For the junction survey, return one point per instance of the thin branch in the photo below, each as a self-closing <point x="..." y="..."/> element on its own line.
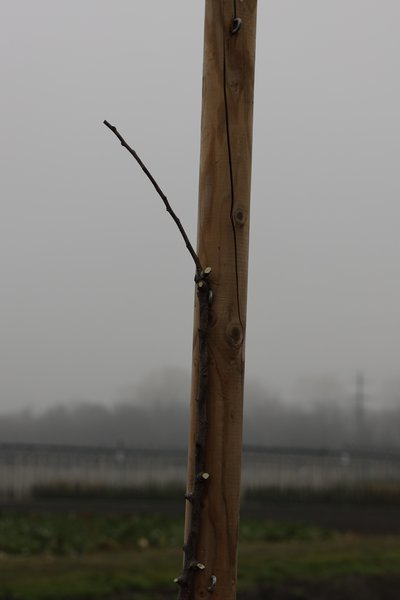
<point x="162" y="196"/>
<point x="200" y="476"/>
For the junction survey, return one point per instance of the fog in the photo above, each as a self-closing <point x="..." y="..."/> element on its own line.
<point x="155" y="415"/>
<point x="97" y="286"/>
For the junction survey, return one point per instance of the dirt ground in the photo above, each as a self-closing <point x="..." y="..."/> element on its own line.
<point x="349" y="588"/>
<point x="364" y="519"/>
<point x="346" y="588"/>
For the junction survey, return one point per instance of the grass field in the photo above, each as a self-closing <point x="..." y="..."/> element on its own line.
<point x="76" y="556"/>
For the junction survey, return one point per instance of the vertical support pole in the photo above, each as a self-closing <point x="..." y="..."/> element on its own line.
<point x="223" y="241"/>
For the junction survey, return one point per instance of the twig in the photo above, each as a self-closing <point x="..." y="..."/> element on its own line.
<point x="200" y="476"/>
<point x="196" y="496"/>
<point x="162" y="196"/>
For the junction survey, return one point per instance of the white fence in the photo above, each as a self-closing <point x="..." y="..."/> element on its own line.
<point x="22" y="467"/>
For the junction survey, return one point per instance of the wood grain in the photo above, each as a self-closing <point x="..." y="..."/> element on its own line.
<point x="223" y="242"/>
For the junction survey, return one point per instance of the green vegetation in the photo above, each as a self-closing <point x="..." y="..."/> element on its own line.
<point x="72" y="534"/>
<point x="340" y="556"/>
<point x="90" y="577"/>
<point x="91" y="556"/>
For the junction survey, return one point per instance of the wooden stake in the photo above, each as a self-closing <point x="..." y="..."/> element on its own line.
<point x="223" y="239"/>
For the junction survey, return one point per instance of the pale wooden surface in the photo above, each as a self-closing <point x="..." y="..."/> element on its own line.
<point x="223" y="235"/>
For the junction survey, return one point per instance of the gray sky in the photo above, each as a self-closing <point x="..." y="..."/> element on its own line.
<point x="97" y="290"/>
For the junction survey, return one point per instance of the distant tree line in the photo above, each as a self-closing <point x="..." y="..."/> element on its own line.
<point x="161" y="421"/>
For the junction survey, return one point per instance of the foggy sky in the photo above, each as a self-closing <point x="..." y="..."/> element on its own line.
<point x="96" y="284"/>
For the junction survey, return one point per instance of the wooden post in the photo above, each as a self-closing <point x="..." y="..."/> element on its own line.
<point x="223" y="239"/>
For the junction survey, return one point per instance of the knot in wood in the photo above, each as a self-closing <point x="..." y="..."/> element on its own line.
<point x="240" y="216"/>
<point x="234" y="334"/>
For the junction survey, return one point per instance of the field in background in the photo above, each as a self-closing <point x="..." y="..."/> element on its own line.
<point x="92" y="524"/>
<point x="76" y="556"/>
